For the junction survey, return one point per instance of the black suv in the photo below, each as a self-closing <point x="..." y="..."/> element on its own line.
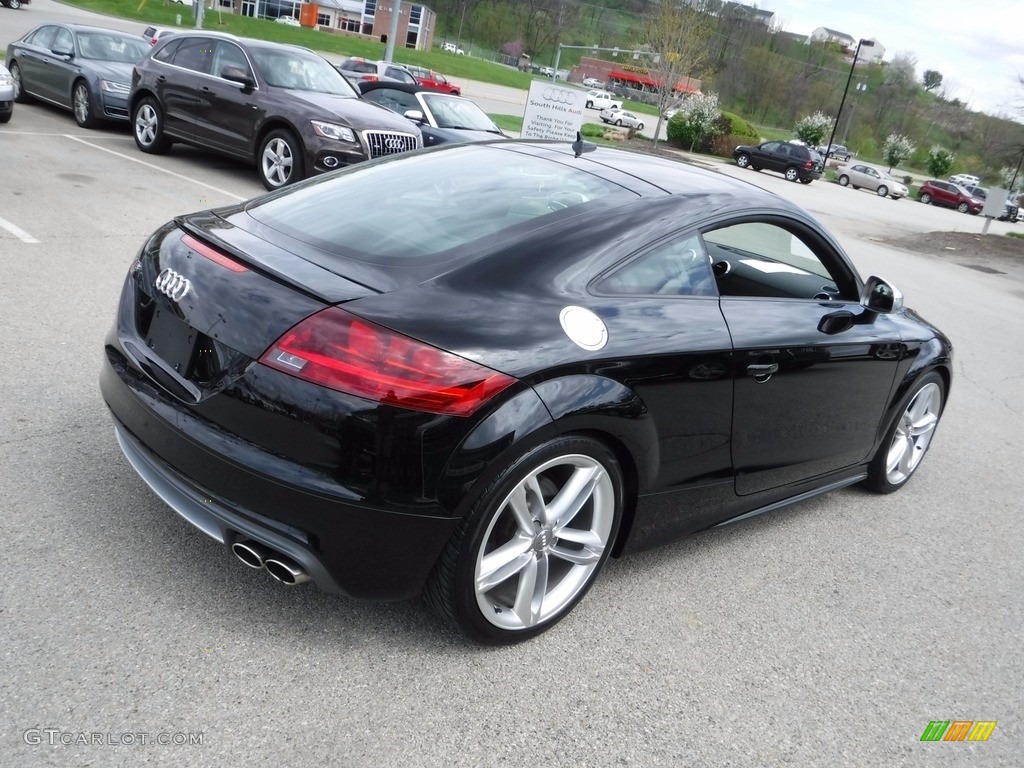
<point x="279" y="106"/>
<point x="795" y="161"/>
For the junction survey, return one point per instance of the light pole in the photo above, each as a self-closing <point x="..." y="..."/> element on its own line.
<point x="835" y="125"/>
<point x="858" y="88"/>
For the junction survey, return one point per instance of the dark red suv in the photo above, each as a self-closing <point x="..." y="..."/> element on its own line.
<point x="950" y="196"/>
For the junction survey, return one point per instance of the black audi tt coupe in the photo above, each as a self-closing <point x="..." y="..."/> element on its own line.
<point x="480" y="370"/>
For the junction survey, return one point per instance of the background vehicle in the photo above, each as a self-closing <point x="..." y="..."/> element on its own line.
<point x="598" y="99"/>
<point x="452" y="48"/>
<point x="795" y="161"/>
<point x="153" y="34"/>
<point x="6" y="94"/>
<point x="358" y="418"/>
<point x="838" y="151"/>
<point x="592" y="82"/>
<point x="357" y="69"/>
<point x="1009" y="210"/>
<point x="949" y="196"/>
<point x="622" y="118"/>
<point x="15" y="4"/>
<point x="281" y="107"/>
<point x="441" y="117"/>
<point x="434" y="80"/>
<point x="83" y="69"/>
<point x="291" y="21"/>
<point x="870" y="177"/>
<point x="965" y="180"/>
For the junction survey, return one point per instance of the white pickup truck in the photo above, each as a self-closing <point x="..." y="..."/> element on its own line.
<point x="602" y="100"/>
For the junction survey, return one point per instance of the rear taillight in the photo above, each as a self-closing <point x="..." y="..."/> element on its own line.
<point x="808" y="164"/>
<point x="341" y="351"/>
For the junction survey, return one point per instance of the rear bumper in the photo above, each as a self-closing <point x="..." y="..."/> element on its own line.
<point x="231" y="489"/>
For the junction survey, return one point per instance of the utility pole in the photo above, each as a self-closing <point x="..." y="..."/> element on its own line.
<point x="835" y="125"/>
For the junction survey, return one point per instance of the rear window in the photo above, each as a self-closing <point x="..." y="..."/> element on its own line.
<point x="421" y="207"/>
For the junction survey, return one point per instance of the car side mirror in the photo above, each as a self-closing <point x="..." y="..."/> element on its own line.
<point x="63" y="52"/>
<point x="415" y="115"/>
<point x="240" y="76"/>
<point x="879" y="296"/>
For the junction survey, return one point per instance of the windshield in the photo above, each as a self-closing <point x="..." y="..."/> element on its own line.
<point x="300" y="71"/>
<point x="417" y="206"/>
<point x="104" y="46"/>
<point x="454" y="112"/>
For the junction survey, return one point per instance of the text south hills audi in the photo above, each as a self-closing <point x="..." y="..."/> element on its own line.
<point x="535" y="356"/>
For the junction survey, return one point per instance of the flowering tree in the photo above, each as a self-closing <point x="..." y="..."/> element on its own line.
<point x="811" y="129"/>
<point x="896" y="149"/>
<point x="696" y="118"/>
<point x="940" y="160"/>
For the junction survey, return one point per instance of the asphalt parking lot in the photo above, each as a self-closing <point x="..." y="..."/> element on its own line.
<point x="828" y="634"/>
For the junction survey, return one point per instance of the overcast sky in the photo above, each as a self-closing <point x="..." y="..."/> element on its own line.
<point x="977" y="45"/>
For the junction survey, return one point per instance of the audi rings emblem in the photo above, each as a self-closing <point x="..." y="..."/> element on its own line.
<point x="394" y="143"/>
<point x="559" y="96"/>
<point x="172" y="285"/>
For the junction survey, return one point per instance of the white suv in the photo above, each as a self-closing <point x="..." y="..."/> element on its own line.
<point x="602" y="100"/>
<point x="965" y="180"/>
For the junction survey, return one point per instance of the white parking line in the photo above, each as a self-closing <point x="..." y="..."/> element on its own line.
<point x="156" y="167"/>
<point x="17" y="231"/>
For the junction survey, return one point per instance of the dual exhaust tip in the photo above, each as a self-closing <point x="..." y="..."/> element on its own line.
<point x="283" y="569"/>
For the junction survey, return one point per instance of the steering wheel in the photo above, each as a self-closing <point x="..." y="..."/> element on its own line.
<point x="559" y="201"/>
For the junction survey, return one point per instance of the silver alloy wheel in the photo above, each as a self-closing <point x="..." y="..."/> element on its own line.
<point x="277" y="162"/>
<point x="80" y="102"/>
<point x="146" y="124"/>
<point x="742" y="161"/>
<point x="913" y="434"/>
<point x="844" y="181"/>
<point x="792" y="174"/>
<point x="533" y="561"/>
<point x="882" y="191"/>
<point x="15" y="4"/>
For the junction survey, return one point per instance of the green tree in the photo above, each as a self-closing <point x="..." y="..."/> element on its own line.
<point x="931" y="79"/>
<point x="812" y="129"/>
<point x="940" y="160"/>
<point x="896" y="149"/>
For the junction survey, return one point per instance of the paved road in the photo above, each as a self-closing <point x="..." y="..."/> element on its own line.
<point x="828" y="634"/>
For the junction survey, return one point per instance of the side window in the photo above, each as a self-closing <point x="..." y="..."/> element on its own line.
<point x="63" y="41"/>
<point x="43" y="37"/>
<point x="229" y="55"/>
<point x="771" y="146"/>
<point x="768" y="260"/>
<point x="195" y="54"/>
<point x="676" y="268"/>
<point x="166" y="53"/>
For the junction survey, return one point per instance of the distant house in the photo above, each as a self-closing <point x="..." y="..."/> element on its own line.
<point x="873" y="54"/>
<point x="826" y="35"/>
<point x="750" y="13"/>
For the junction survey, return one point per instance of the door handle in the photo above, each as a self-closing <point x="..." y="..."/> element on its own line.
<point x="762" y="373"/>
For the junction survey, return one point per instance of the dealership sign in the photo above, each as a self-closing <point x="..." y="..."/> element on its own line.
<point x="553" y="111"/>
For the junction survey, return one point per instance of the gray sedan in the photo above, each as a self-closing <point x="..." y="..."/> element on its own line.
<point x="85" y="69"/>
<point x="6" y="94"/>
<point x="869" y="177"/>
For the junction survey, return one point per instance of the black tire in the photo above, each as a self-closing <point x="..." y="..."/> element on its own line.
<point x="619" y="122"/>
<point x="639" y="126"/>
<point x="14" y="4"/>
<point x="6" y="117"/>
<point x="19" y="91"/>
<point x="148" y="127"/>
<point x="756" y="167"/>
<point x="743" y="160"/>
<point x="792" y="174"/>
<point x="279" y="161"/>
<point x="81" y="105"/>
<point x="494" y="613"/>
<point x="590" y="105"/>
<point x="844" y="180"/>
<point x="882" y="191"/>
<point x="926" y="198"/>
<point x="963" y="207"/>
<point x="909" y="436"/>
<point x="808" y="180"/>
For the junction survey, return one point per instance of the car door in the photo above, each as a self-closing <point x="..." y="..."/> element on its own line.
<point x="768" y="155"/>
<point x="31" y="55"/>
<point x="226" y="112"/>
<point x="178" y="85"/>
<point x="57" y="67"/>
<point x="946" y="194"/>
<point x="813" y="368"/>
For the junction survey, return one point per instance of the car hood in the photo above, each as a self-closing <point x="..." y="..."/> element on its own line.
<point x="115" y="71"/>
<point x="446" y="135"/>
<point x="354" y="112"/>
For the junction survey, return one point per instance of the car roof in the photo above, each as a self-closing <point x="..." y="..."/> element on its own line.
<point x="249" y="42"/>
<point x="84" y="28"/>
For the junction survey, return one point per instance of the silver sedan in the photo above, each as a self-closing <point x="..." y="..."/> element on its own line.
<point x="869" y="177"/>
<point x="621" y="117"/>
